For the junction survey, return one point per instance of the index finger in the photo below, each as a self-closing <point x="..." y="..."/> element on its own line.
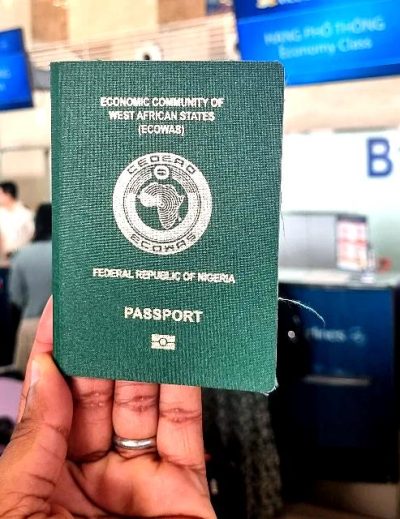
<point x="43" y="343"/>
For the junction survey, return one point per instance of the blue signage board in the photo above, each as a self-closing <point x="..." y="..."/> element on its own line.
<point x="15" y="85"/>
<point x="15" y="88"/>
<point x="319" y="42"/>
<point x="11" y="41"/>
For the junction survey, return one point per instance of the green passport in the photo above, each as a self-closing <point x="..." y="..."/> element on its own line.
<point x="166" y="193"/>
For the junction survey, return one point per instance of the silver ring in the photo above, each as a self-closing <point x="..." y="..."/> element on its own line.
<point x="130" y="444"/>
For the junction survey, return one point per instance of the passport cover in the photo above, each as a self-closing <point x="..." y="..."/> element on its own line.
<point x="166" y="194"/>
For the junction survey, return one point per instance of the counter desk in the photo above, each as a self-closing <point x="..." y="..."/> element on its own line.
<point x="336" y="411"/>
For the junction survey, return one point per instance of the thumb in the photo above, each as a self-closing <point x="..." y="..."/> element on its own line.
<point x="31" y="464"/>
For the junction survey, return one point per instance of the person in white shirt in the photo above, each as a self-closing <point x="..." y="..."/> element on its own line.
<point x="16" y="221"/>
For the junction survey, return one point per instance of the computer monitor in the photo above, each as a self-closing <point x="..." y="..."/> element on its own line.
<point x="15" y="82"/>
<point x="352" y="243"/>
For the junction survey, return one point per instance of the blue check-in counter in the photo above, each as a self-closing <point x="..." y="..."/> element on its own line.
<point x="336" y="411"/>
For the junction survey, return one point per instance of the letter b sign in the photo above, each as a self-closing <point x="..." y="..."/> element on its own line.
<point x="379" y="161"/>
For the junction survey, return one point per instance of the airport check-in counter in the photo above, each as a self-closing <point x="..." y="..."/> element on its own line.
<point x="336" y="411"/>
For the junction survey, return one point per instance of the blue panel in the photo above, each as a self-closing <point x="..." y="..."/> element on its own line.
<point x="355" y="343"/>
<point x="15" y="89"/>
<point x="11" y="42"/>
<point x="317" y="42"/>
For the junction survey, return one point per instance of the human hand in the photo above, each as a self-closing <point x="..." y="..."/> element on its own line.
<point x="61" y="461"/>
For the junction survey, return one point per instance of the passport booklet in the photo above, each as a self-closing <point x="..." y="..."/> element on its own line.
<point x="166" y="195"/>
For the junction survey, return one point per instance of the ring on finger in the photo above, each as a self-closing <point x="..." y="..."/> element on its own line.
<point x="134" y="444"/>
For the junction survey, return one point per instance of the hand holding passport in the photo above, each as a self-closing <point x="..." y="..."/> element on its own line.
<point x="61" y="460"/>
<point x="166" y="182"/>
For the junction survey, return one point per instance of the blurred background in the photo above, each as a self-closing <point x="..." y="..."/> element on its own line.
<point x="333" y="442"/>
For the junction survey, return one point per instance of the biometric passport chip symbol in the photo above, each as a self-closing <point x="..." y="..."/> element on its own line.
<point x="162" y="203"/>
<point x="163" y="342"/>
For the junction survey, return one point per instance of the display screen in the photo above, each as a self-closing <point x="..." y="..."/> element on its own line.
<point x="352" y="243"/>
<point x="320" y="40"/>
<point x="15" y="86"/>
<point x="11" y="41"/>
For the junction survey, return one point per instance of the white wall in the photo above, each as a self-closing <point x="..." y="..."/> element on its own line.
<point x="368" y="103"/>
<point x="328" y="171"/>
<point x="24" y="145"/>
<point x="16" y="13"/>
<point x="98" y="18"/>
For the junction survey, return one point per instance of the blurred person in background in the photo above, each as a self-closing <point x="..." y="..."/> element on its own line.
<point x="16" y="221"/>
<point x="30" y="284"/>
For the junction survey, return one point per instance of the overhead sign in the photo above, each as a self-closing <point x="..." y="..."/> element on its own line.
<point x="317" y="41"/>
<point x="347" y="172"/>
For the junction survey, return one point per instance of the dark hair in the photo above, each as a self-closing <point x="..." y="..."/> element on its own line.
<point x="10" y="188"/>
<point x="43" y="223"/>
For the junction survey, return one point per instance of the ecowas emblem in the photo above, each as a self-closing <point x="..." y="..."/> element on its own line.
<point x="162" y="203"/>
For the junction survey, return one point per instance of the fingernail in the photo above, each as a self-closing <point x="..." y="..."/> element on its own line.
<point x="35" y="373"/>
<point x="34" y="378"/>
